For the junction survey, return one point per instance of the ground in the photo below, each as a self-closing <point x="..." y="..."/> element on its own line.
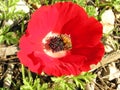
<point x="13" y="23"/>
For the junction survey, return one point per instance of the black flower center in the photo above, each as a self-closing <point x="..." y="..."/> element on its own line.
<point x="58" y="43"/>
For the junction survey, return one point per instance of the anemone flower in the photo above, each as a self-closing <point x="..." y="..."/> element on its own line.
<point x="61" y="39"/>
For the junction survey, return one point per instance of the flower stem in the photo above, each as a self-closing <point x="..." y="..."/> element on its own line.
<point x="23" y="72"/>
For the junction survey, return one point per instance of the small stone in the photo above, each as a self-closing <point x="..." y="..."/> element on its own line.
<point x="118" y="87"/>
<point x="114" y="72"/>
<point x="108" y="19"/>
<point x="108" y="49"/>
<point x="110" y="44"/>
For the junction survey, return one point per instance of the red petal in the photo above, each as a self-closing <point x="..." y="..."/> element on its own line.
<point x="29" y="62"/>
<point x="27" y="45"/>
<point x="93" y="55"/>
<point x="63" y="18"/>
<point x="42" y="22"/>
<point x="24" y="44"/>
<point x="87" y="33"/>
<point x="26" y="55"/>
<point x="53" y="18"/>
<point x="69" y="65"/>
<point x="68" y="11"/>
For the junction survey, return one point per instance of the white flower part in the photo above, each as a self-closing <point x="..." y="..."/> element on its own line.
<point x="49" y="52"/>
<point x="21" y="5"/>
<point x="55" y="54"/>
<point x="108" y="19"/>
<point x="50" y="34"/>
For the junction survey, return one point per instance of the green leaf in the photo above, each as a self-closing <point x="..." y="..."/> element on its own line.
<point x="2" y="39"/>
<point x="116" y="5"/>
<point x="71" y="82"/>
<point x="80" y="2"/>
<point x="82" y="79"/>
<point x="63" y="83"/>
<point x="91" y="10"/>
<point x="11" y="38"/>
<point x="30" y="83"/>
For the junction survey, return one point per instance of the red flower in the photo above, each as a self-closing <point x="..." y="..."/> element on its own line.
<point x="61" y="40"/>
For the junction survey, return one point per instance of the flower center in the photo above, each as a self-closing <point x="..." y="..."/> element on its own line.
<point x="56" y="45"/>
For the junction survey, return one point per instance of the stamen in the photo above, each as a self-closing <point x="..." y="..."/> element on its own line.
<point x="67" y="41"/>
<point x="56" y="44"/>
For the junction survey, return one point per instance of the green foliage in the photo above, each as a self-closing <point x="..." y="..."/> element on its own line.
<point x="83" y="79"/>
<point x="4" y="89"/>
<point x="30" y="83"/>
<point x="8" y="37"/>
<point x="80" y="2"/>
<point x="9" y="17"/>
<point x="116" y="4"/>
<point x="33" y="85"/>
<point x="36" y="3"/>
<point x="63" y="83"/>
<point x="91" y="10"/>
<point x="8" y="12"/>
<point x="58" y="83"/>
<point x="72" y="82"/>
